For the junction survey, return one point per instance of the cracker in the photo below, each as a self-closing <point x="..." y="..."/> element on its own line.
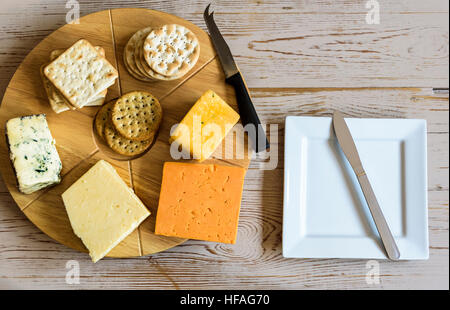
<point x="150" y="71"/>
<point x="99" y="98"/>
<point x="80" y="73"/>
<point x="56" y="53"/>
<point x="171" y="50"/>
<point x="115" y="141"/>
<point x="137" y="115"/>
<point x="57" y="102"/>
<point x="123" y="145"/>
<point x="129" y="57"/>
<point x="141" y="64"/>
<point x="145" y="70"/>
<point x="103" y="117"/>
<point x="136" y="74"/>
<point x="96" y="102"/>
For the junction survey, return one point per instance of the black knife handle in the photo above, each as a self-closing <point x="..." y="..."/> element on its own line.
<point x="247" y="112"/>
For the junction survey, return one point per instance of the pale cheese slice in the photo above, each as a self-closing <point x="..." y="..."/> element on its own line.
<point x="102" y="209"/>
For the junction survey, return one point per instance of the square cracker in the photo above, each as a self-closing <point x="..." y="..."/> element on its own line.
<point x="98" y="100"/>
<point x="80" y="73"/>
<point x="57" y="102"/>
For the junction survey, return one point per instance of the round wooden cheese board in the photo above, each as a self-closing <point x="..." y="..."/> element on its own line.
<point x="79" y="147"/>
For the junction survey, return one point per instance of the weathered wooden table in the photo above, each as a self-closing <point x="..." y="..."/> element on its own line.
<point x="299" y="57"/>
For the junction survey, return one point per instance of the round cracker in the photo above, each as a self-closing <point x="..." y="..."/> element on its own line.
<point x="136" y="74"/>
<point x="129" y="57"/>
<point x="123" y="145"/>
<point x="140" y="37"/>
<point x="171" y="50"/>
<point x="102" y="117"/>
<point x="144" y="67"/>
<point x="137" y="115"/>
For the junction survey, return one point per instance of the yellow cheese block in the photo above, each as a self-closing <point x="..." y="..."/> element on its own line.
<point x="102" y="209"/>
<point x="205" y="126"/>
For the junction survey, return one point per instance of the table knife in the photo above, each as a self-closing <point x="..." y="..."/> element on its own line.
<point x="234" y="77"/>
<point x="347" y="144"/>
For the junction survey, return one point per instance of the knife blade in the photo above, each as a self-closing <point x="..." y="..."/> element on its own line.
<point x="234" y="77"/>
<point x="348" y="146"/>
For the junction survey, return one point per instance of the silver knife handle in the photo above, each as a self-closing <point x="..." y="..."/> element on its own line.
<point x="380" y="222"/>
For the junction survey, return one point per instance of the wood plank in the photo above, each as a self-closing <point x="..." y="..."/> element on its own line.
<point x="331" y="46"/>
<point x="29" y="258"/>
<point x="53" y="7"/>
<point x="405" y="50"/>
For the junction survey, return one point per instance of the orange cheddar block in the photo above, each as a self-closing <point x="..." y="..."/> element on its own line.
<point x="200" y="201"/>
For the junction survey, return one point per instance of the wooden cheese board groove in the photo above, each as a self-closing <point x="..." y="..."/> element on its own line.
<point x="45" y="190"/>
<point x="76" y="139"/>
<point x="191" y="75"/>
<point x="115" y="52"/>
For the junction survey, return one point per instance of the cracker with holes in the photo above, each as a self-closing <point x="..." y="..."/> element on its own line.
<point x="57" y="102"/>
<point x="171" y="50"/>
<point x="122" y="145"/>
<point x="80" y="73"/>
<point x="103" y="116"/>
<point x="140" y="62"/>
<point x="137" y="115"/>
<point x="56" y="99"/>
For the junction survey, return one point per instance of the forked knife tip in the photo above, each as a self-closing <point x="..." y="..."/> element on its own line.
<point x="206" y="13"/>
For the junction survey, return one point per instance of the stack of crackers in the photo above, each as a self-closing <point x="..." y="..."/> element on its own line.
<point x="161" y="54"/>
<point x="77" y="77"/>
<point x="130" y="123"/>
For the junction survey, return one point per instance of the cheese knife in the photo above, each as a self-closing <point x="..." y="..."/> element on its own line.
<point x="347" y="144"/>
<point x="234" y="77"/>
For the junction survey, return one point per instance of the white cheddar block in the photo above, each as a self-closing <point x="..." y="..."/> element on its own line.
<point x="102" y="209"/>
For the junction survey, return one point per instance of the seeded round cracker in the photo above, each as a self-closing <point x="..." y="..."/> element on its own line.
<point x="123" y="145"/>
<point x="102" y="118"/>
<point x="137" y="115"/>
<point x="171" y="50"/>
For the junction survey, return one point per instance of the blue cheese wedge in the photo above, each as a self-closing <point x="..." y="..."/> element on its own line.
<point x="102" y="209"/>
<point x="33" y="153"/>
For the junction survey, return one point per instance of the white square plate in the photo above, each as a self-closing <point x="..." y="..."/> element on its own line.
<point x="325" y="214"/>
